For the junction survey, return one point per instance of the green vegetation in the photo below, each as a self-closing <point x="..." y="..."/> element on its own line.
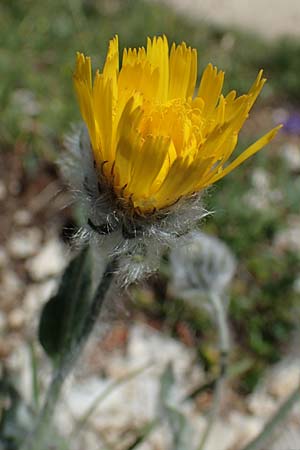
<point x="38" y="105"/>
<point x="265" y="304"/>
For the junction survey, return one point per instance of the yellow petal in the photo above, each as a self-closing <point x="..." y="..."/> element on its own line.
<point x="82" y="79"/>
<point x="128" y="142"/>
<point x="210" y="88"/>
<point x="83" y="70"/>
<point x="256" y="88"/>
<point x="180" y="180"/>
<point x="158" y="56"/>
<point x="183" y="71"/>
<point x="254" y="148"/>
<point x="147" y="165"/>
<point x="138" y="77"/>
<point x="111" y="66"/>
<point x="103" y="112"/>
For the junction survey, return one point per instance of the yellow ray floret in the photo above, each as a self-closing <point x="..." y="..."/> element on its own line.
<point x="153" y="140"/>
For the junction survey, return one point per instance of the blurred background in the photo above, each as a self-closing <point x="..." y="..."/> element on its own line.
<point x="256" y="208"/>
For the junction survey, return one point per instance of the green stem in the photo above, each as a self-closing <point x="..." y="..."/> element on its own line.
<point x="278" y="418"/>
<point x="37" y="439"/>
<point x="34" y="379"/>
<point x="224" y="345"/>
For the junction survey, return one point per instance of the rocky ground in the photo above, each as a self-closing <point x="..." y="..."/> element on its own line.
<point x="124" y="369"/>
<point x="271" y="19"/>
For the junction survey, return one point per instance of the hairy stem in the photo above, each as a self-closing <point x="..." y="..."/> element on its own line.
<point x="224" y="345"/>
<point x="37" y="439"/>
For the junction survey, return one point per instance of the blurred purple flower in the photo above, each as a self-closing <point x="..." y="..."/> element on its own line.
<point x="292" y="123"/>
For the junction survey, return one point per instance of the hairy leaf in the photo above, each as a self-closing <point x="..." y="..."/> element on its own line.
<point x="62" y="316"/>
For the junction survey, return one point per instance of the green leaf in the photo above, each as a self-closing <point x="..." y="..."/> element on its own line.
<point x="167" y="381"/>
<point x="275" y="423"/>
<point x="62" y="316"/>
<point x="180" y="428"/>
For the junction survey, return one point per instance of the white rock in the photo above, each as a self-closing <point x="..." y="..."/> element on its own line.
<point x="261" y="404"/>
<point x="20" y="363"/>
<point x="11" y="286"/>
<point x="260" y="179"/>
<point x="36" y="295"/>
<point x="222" y="437"/>
<point x="231" y="14"/>
<point x="288" y="438"/>
<point x="159" y="439"/>
<point x="290" y="153"/>
<point x="22" y="217"/>
<point x="50" y="261"/>
<point x="261" y="196"/>
<point x="81" y="396"/>
<point x="285" y="378"/>
<point x="16" y="318"/>
<point x="289" y="238"/>
<point x="134" y="402"/>
<point x="246" y="427"/>
<point x="89" y="440"/>
<point x="256" y="200"/>
<point x="25" y="243"/>
<point x="149" y="345"/>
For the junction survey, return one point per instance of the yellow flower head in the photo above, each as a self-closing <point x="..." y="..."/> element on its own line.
<point x="154" y="138"/>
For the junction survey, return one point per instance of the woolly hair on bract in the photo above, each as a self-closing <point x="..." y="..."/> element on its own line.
<point x="202" y="264"/>
<point x="138" y="241"/>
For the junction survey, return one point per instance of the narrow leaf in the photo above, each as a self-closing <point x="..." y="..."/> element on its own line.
<point x="63" y="315"/>
<point x="181" y="431"/>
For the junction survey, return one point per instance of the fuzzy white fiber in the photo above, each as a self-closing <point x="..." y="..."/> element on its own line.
<point x="204" y="264"/>
<point x="114" y="228"/>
